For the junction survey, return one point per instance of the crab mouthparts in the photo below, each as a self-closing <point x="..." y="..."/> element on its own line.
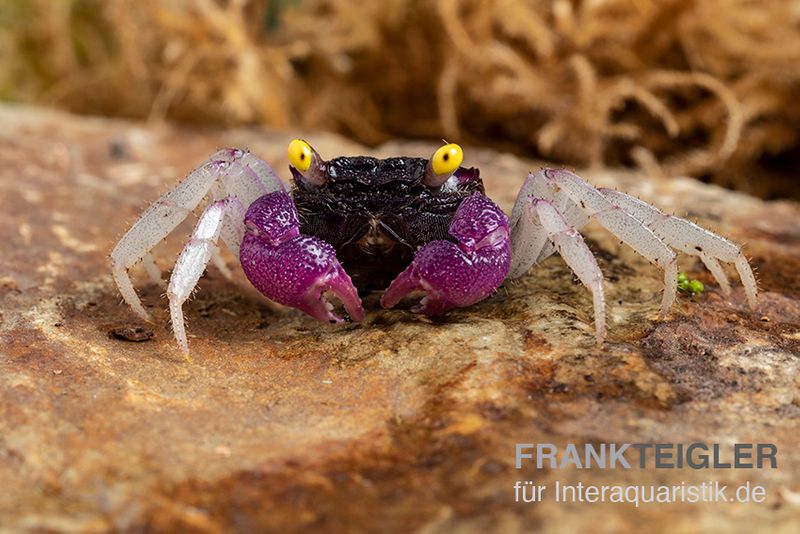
<point x="375" y="242"/>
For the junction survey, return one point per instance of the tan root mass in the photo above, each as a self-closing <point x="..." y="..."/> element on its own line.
<point x="699" y="87"/>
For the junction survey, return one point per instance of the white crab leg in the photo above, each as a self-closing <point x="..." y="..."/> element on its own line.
<point x="250" y="179"/>
<point x="715" y="268"/>
<point x="576" y="254"/>
<point x="626" y="227"/>
<point x="152" y="269"/>
<point x="527" y="252"/>
<point x="242" y="172"/>
<point x="195" y="257"/>
<point x="528" y="239"/>
<point x="228" y="234"/>
<point x="219" y="262"/>
<point x="690" y="238"/>
<point x="534" y="187"/>
<point x="574" y="216"/>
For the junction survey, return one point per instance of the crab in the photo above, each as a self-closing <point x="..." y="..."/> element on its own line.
<point x="354" y="224"/>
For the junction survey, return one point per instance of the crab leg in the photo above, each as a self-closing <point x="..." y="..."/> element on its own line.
<point x="152" y="269"/>
<point x="572" y="248"/>
<point x="528" y="237"/>
<point x="715" y="268"/>
<point x="574" y="216"/>
<point x="626" y="227"/>
<point x="690" y="238"/>
<point x="219" y="263"/>
<point x="535" y="247"/>
<point x="195" y="257"/>
<point x="245" y="177"/>
<point x="528" y="242"/>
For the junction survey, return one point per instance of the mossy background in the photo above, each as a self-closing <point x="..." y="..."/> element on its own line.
<point x="707" y="88"/>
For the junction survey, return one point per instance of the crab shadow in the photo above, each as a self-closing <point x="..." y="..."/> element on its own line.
<point x="231" y="313"/>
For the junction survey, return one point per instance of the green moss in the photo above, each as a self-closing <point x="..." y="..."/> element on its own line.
<point x="694" y="287"/>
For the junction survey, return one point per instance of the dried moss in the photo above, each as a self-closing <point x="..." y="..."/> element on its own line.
<point x="700" y="87"/>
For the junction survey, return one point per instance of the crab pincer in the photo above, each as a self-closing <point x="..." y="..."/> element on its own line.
<point x="291" y="268"/>
<point x="455" y="275"/>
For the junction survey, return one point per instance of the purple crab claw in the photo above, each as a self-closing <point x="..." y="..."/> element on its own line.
<point x="291" y="268"/>
<point x="455" y="275"/>
<point x="314" y="303"/>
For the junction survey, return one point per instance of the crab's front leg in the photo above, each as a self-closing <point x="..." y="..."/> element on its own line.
<point x="289" y="267"/>
<point x="230" y="173"/>
<point x="196" y="254"/>
<point x="458" y="274"/>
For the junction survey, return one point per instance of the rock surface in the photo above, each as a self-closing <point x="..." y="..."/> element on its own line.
<point x="402" y="422"/>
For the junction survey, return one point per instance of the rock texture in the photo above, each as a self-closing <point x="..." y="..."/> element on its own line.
<point x="278" y="422"/>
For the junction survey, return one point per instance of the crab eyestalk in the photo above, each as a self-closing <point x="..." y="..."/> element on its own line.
<point x="305" y="161"/>
<point x="443" y="164"/>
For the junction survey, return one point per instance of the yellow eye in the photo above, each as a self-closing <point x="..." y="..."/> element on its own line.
<point x="447" y="159"/>
<point x="300" y="154"/>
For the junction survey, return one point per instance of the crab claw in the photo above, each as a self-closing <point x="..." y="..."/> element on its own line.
<point x="455" y="275"/>
<point x="291" y="268"/>
<point x="314" y="303"/>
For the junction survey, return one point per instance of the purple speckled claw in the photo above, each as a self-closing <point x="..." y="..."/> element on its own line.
<point x="455" y="275"/>
<point x="291" y="268"/>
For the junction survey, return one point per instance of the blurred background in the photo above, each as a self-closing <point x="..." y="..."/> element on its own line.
<point x="706" y="88"/>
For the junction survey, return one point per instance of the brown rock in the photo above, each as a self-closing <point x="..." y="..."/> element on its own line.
<point x="401" y="422"/>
